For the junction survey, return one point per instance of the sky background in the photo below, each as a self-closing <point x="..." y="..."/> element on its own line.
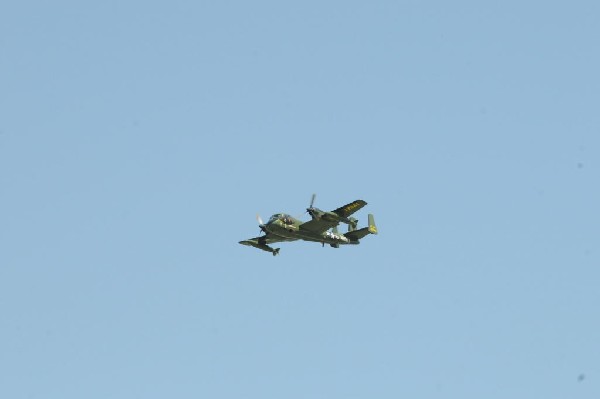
<point x="138" y="140"/>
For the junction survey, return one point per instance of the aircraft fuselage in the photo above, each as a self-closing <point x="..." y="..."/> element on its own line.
<point x="287" y="227"/>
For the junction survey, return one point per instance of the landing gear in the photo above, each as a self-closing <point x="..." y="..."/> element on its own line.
<point x="352" y="224"/>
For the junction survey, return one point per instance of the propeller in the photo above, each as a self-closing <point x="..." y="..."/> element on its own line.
<point x="312" y="211"/>
<point x="261" y="224"/>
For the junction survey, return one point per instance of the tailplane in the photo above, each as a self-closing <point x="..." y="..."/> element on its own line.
<point x="356" y="235"/>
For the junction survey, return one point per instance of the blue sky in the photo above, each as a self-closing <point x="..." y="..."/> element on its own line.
<point x="139" y="139"/>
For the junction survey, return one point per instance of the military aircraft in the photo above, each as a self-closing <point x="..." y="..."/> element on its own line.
<point x="322" y="228"/>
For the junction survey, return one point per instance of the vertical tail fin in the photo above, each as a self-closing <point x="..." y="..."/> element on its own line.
<point x="372" y="227"/>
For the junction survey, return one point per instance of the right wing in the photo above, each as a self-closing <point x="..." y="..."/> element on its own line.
<point x="262" y="241"/>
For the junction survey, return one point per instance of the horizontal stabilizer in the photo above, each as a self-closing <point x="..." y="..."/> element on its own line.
<point x="356" y="235"/>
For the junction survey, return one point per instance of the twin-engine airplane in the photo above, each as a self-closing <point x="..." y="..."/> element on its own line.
<point x="322" y="228"/>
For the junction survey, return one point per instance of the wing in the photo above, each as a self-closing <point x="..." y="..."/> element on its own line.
<point x="325" y="223"/>
<point x="349" y="209"/>
<point x="263" y="240"/>
<point x="318" y="225"/>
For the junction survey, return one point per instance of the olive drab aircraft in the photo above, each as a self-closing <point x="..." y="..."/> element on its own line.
<point x="321" y="228"/>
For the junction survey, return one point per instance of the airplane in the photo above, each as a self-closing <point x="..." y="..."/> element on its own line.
<point x="322" y="228"/>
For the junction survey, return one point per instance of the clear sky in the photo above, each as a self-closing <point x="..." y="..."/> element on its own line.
<point x="138" y="140"/>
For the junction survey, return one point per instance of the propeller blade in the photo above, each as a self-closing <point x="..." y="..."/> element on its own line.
<point x="261" y="224"/>
<point x="312" y="200"/>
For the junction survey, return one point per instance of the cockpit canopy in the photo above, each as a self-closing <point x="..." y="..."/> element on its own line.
<point x="285" y="218"/>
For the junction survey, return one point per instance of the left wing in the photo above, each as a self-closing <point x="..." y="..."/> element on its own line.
<point x="349" y="209"/>
<point x="327" y="220"/>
